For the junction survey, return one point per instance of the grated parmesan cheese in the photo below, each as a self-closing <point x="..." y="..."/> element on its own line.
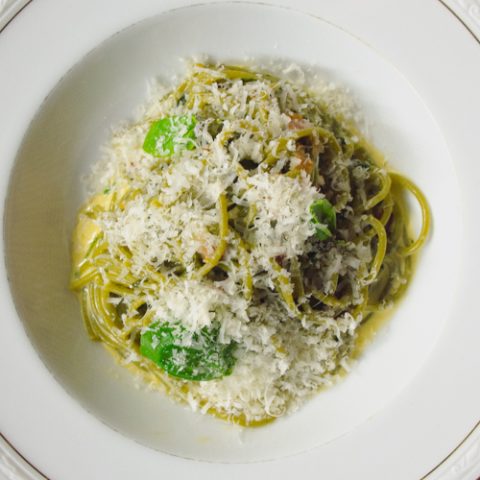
<point x="161" y="215"/>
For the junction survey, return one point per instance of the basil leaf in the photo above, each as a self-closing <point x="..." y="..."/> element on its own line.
<point x="170" y="134"/>
<point x="198" y="356"/>
<point x="324" y="218"/>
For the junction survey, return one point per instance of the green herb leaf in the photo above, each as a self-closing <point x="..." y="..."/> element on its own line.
<point x="198" y="356"/>
<point x="170" y="134"/>
<point x="324" y="218"/>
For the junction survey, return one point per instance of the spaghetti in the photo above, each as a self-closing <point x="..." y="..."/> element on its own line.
<point x="242" y="232"/>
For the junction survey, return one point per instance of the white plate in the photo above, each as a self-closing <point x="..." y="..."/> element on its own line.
<point x="407" y="384"/>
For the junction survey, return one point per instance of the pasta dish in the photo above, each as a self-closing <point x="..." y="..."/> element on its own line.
<point x="240" y="233"/>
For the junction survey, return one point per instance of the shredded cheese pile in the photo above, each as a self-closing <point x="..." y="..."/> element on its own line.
<point x="156" y="243"/>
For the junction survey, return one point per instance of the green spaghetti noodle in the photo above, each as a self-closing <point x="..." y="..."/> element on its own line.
<point x="241" y="222"/>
